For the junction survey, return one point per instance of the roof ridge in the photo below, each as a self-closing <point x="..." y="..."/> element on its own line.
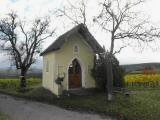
<point x="60" y="40"/>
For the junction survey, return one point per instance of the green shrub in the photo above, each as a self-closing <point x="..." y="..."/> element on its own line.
<point x="99" y="73"/>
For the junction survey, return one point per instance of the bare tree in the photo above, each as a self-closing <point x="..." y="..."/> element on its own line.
<point x="120" y="19"/>
<point x="23" y="45"/>
<point x="76" y="14"/>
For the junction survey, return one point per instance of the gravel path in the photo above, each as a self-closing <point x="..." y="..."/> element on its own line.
<point x="20" y="109"/>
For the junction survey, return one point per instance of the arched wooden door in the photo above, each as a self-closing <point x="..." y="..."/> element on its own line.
<point x="75" y="75"/>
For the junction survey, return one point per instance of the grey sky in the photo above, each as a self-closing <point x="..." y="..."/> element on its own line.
<point x="34" y="8"/>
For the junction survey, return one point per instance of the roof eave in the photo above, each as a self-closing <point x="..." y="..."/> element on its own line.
<point x="44" y="53"/>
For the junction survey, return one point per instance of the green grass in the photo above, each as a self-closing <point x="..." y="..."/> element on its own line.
<point x="3" y="117"/>
<point x="144" y="104"/>
<point x="14" y="83"/>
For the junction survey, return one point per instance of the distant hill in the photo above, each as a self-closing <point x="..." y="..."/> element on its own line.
<point x="6" y="64"/>
<point x="37" y="72"/>
<point x="8" y="71"/>
<point x="13" y="73"/>
<point x="139" y="67"/>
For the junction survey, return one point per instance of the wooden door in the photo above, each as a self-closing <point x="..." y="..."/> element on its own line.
<point x="75" y="75"/>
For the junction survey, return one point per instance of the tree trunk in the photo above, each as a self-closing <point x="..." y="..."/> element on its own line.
<point x="23" y="83"/>
<point x="109" y="76"/>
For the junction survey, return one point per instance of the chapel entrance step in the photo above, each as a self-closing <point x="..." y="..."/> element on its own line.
<point x="78" y="92"/>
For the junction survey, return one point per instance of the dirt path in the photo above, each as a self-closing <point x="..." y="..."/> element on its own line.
<point x="20" y="109"/>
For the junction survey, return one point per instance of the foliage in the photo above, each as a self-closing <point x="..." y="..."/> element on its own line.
<point x="118" y="75"/>
<point x="59" y="80"/>
<point x="3" y="117"/>
<point x="99" y="73"/>
<point x="146" y="80"/>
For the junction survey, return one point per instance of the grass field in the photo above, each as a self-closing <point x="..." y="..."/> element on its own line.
<point x="143" y="104"/>
<point x="14" y="83"/>
<point x="3" y="117"/>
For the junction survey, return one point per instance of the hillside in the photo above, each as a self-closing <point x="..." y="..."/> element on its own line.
<point x="37" y="72"/>
<point x="12" y="73"/>
<point x="139" y="67"/>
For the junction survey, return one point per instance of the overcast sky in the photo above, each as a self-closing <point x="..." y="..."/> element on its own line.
<point x="31" y="9"/>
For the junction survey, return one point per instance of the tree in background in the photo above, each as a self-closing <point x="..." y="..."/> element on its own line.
<point x="23" y="42"/>
<point x="76" y="14"/>
<point x="121" y="21"/>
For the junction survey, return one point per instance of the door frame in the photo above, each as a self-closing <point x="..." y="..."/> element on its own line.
<point x="82" y="72"/>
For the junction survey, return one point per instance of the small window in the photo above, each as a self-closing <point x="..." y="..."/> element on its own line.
<point x="76" y="49"/>
<point x="47" y="66"/>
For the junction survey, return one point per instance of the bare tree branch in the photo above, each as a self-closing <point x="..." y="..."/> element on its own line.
<point x="75" y="14"/>
<point x="119" y="50"/>
<point x="117" y="19"/>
